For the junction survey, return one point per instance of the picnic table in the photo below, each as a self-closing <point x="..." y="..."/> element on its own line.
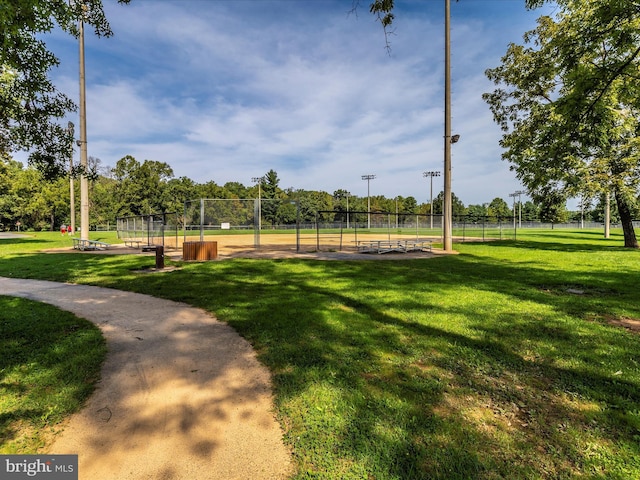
<point x="81" y="244"/>
<point x="387" y="246"/>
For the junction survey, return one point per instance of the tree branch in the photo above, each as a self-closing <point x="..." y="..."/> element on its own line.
<point x="619" y="71"/>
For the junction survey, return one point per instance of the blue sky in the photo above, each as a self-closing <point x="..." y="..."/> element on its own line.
<point x="226" y="90"/>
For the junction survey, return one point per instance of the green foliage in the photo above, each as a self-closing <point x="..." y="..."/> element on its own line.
<point x="499" y="208"/>
<point x="457" y="206"/>
<point x="311" y="202"/>
<point x="409" y="205"/>
<point x="272" y="193"/>
<point x="476" y="213"/>
<point x="30" y="104"/>
<point x="141" y="187"/>
<point x="568" y="103"/>
<point x="530" y="211"/>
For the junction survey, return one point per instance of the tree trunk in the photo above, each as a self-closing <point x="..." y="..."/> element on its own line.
<point x="626" y="220"/>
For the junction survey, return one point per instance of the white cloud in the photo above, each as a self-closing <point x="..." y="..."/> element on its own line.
<point x="226" y="90"/>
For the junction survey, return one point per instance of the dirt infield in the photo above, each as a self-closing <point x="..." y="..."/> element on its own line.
<point x="324" y="247"/>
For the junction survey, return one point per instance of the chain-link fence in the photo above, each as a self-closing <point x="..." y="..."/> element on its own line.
<point x="249" y="224"/>
<point x="232" y="216"/>
<point x="331" y="230"/>
<point x="149" y="230"/>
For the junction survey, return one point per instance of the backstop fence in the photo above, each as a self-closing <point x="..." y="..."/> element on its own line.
<point x="149" y="230"/>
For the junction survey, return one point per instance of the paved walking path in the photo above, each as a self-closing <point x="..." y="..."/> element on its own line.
<point x="182" y="395"/>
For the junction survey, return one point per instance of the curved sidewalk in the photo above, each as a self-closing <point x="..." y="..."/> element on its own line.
<point x="182" y="395"/>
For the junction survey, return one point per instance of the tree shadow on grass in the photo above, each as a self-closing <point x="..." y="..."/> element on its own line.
<point x="571" y="241"/>
<point x="375" y="376"/>
<point x="394" y="392"/>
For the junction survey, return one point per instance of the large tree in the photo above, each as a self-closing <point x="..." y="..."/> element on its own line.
<point x="142" y="188"/>
<point x="457" y="207"/>
<point x="499" y="208"/>
<point x="271" y="196"/>
<point x="30" y="104"/>
<point x="568" y="101"/>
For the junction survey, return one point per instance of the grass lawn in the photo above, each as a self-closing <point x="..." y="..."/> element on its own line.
<point x="500" y="362"/>
<point x="49" y="362"/>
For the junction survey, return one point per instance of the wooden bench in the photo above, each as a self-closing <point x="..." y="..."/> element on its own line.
<point x="80" y="244"/>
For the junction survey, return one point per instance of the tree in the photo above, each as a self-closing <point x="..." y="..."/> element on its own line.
<point x="209" y="190"/>
<point x="553" y="208"/>
<point x="236" y="190"/>
<point x="341" y="200"/>
<point x="141" y="188"/>
<point x="271" y="195"/>
<point x="30" y="105"/>
<point x="312" y="202"/>
<point x="476" y="213"/>
<point x="10" y="171"/>
<point x="499" y="208"/>
<point x="569" y="105"/>
<point x="409" y="205"/>
<point x="104" y="204"/>
<point x="457" y="207"/>
<point x="179" y="191"/>
<point x="530" y="211"/>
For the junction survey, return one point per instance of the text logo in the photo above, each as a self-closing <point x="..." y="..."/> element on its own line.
<point x="49" y="467"/>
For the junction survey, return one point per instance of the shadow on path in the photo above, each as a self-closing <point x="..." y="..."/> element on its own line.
<point x="182" y="395"/>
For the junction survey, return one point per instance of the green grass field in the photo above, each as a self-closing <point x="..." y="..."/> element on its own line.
<point x="500" y="362"/>
<point x="49" y="363"/>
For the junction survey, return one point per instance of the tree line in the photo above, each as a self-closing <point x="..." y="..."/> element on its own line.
<point x="30" y="201"/>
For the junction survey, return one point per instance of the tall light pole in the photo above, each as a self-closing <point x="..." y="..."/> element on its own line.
<point x="515" y="194"/>
<point x="520" y="192"/>
<point x="84" y="183"/>
<point x="347" y="210"/>
<point x="259" y="181"/>
<point x="431" y="174"/>
<point x="396" y="213"/>
<point x="368" y="178"/>
<point x="72" y="195"/>
<point x="447" y="244"/>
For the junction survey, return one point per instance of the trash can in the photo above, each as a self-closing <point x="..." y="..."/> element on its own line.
<point x="199" y="251"/>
